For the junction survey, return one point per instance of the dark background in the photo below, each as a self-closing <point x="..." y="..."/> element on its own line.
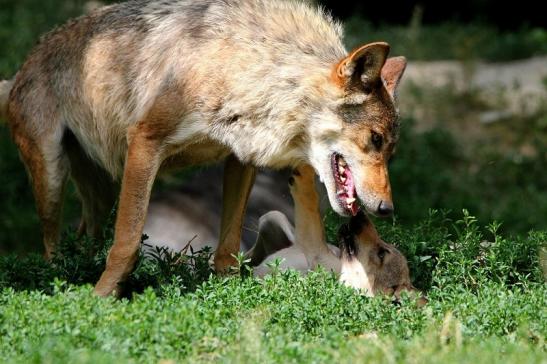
<point x="506" y="15"/>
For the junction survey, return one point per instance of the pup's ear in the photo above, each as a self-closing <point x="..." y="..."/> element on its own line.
<point x="392" y="72"/>
<point x="363" y="67"/>
<point x="361" y="226"/>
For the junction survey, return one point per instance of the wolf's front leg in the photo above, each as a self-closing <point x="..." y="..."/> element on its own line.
<point x="141" y="166"/>
<point x="238" y="182"/>
<point x="309" y="230"/>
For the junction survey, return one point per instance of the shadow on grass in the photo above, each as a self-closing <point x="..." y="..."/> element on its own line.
<point x="81" y="260"/>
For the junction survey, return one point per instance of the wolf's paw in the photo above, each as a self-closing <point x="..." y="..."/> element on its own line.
<point x="103" y="288"/>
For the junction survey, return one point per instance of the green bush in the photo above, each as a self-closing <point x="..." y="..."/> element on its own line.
<point x="81" y="260"/>
<point x="433" y="171"/>
<point x="485" y="291"/>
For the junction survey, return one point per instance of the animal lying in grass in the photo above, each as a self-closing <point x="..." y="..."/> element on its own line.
<point x="133" y="89"/>
<point x="363" y="260"/>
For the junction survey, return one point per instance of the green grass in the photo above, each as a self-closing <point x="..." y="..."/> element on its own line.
<point x="486" y="294"/>
<point x="282" y="319"/>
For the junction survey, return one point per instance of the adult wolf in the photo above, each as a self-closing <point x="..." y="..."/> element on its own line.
<point x="136" y="88"/>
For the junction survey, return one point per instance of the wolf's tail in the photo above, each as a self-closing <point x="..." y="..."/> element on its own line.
<point x="5" y="88"/>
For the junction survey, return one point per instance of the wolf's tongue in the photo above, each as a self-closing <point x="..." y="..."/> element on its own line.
<point x="349" y="184"/>
<point x="350" y="189"/>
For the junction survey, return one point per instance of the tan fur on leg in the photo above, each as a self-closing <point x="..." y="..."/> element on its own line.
<point x="309" y="230"/>
<point x="48" y="170"/>
<point x="238" y="182"/>
<point x="143" y="160"/>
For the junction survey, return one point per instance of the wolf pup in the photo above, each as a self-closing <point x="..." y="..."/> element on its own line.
<point x="134" y="89"/>
<point x="363" y="261"/>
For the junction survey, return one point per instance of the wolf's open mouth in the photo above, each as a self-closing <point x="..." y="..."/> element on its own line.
<point x="345" y="186"/>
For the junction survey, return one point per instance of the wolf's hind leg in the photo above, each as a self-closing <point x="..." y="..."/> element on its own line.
<point x="96" y="188"/>
<point x="47" y="165"/>
<point x="238" y="182"/>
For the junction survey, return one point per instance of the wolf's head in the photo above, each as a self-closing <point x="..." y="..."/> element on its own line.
<point x="371" y="264"/>
<point x="353" y="134"/>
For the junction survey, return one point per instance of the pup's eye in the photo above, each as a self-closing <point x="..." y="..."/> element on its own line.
<point x="377" y="140"/>
<point x="382" y="253"/>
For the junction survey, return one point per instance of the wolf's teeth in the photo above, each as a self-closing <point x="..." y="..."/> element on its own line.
<point x="349" y="201"/>
<point x="343" y="179"/>
<point x="341" y="169"/>
<point x="341" y="192"/>
<point x="342" y="162"/>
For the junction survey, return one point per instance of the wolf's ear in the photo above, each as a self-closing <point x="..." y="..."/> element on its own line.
<point x="392" y="72"/>
<point x="363" y="67"/>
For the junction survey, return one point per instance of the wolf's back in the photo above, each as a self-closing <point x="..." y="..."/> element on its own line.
<point x="101" y="73"/>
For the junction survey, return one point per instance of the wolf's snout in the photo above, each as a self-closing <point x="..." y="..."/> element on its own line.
<point x="385" y="208"/>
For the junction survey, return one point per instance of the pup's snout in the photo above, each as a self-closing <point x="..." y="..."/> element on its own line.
<point x="416" y="295"/>
<point x="385" y="209"/>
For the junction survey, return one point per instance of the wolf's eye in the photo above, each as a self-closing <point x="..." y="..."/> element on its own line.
<point x="377" y="140"/>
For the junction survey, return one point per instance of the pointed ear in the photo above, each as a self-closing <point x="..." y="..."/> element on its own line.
<point x="370" y="234"/>
<point x="360" y="225"/>
<point x="363" y="66"/>
<point x="392" y="72"/>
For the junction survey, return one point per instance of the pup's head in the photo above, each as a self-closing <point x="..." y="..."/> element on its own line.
<point x="371" y="264"/>
<point x="353" y="133"/>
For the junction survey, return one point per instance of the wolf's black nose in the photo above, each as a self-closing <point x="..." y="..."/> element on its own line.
<point x="385" y="209"/>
